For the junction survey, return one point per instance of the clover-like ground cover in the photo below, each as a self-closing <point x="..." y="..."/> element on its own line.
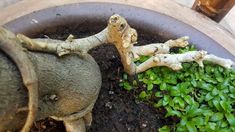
<point x="194" y="98"/>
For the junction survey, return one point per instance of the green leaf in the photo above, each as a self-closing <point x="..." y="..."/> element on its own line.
<point x="152" y="76"/>
<point x="163" y="86"/>
<point x="143" y="95"/>
<point x="232" y="128"/>
<point x="191" y="127"/>
<point x="181" y="128"/>
<point x="209" y="69"/>
<point x="179" y="101"/>
<point x="148" y="72"/>
<point x="158" y="94"/>
<point x="232" y="89"/>
<point x="206" y="119"/>
<point x="224" y="124"/>
<point x="198" y="120"/>
<point x="183" y="121"/>
<point x="189" y="99"/>
<point x="212" y="125"/>
<point x="209" y="79"/>
<point x="225" y="105"/>
<point x="220" y="69"/>
<point x="127" y="86"/>
<point x="194" y="111"/>
<point x="166" y="100"/>
<point x="219" y="79"/>
<point x="225" y="83"/>
<point x="184" y="86"/>
<point x="171" y="112"/>
<point x="225" y="91"/>
<point x="147" y="81"/>
<point x="143" y="58"/>
<point x="181" y="76"/>
<point x="159" y="103"/>
<point x="230" y="118"/>
<point x="150" y="87"/>
<point x="164" y="129"/>
<point x="218" y="76"/>
<point x="140" y="76"/>
<point x="207" y="112"/>
<point x="232" y="96"/>
<point x="204" y="85"/>
<point x="170" y="78"/>
<point x="174" y="91"/>
<point x="210" y="103"/>
<point x="186" y="65"/>
<point x="194" y="82"/>
<point x="166" y="70"/>
<point x="157" y="80"/>
<point x="215" y="92"/>
<point x="208" y="97"/>
<point x="223" y="96"/>
<point x="217" y="116"/>
<point x="217" y="104"/>
<point x="134" y="83"/>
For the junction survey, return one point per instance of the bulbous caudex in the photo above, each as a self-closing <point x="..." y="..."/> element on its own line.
<point x="67" y="89"/>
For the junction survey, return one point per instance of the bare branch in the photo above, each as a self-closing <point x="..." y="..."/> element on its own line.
<point x="60" y="47"/>
<point x="227" y="63"/>
<point x="174" y="61"/>
<point x="159" y="48"/>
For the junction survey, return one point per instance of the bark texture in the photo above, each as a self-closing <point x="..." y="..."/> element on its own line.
<point x="67" y="85"/>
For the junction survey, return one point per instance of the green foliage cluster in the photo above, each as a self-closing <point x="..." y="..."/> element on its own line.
<point x="201" y="98"/>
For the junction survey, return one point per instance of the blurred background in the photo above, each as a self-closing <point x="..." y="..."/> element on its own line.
<point x="228" y="21"/>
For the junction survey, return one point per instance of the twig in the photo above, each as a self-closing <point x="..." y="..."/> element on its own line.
<point x="159" y="48"/>
<point x="174" y="61"/>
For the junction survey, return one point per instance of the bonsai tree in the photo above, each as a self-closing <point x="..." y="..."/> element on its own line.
<point x="123" y="37"/>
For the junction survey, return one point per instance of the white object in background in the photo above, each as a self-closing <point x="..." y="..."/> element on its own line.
<point x="5" y="3"/>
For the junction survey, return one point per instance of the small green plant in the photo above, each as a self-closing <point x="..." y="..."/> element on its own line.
<point x="202" y="98"/>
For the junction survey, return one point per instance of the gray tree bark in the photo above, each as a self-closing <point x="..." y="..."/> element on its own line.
<point x="67" y="85"/>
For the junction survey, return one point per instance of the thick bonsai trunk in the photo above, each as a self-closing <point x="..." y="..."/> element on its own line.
<point x="67" y="85"/>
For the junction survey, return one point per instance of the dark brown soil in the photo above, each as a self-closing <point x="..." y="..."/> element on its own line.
<point x="116" y="109"/>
